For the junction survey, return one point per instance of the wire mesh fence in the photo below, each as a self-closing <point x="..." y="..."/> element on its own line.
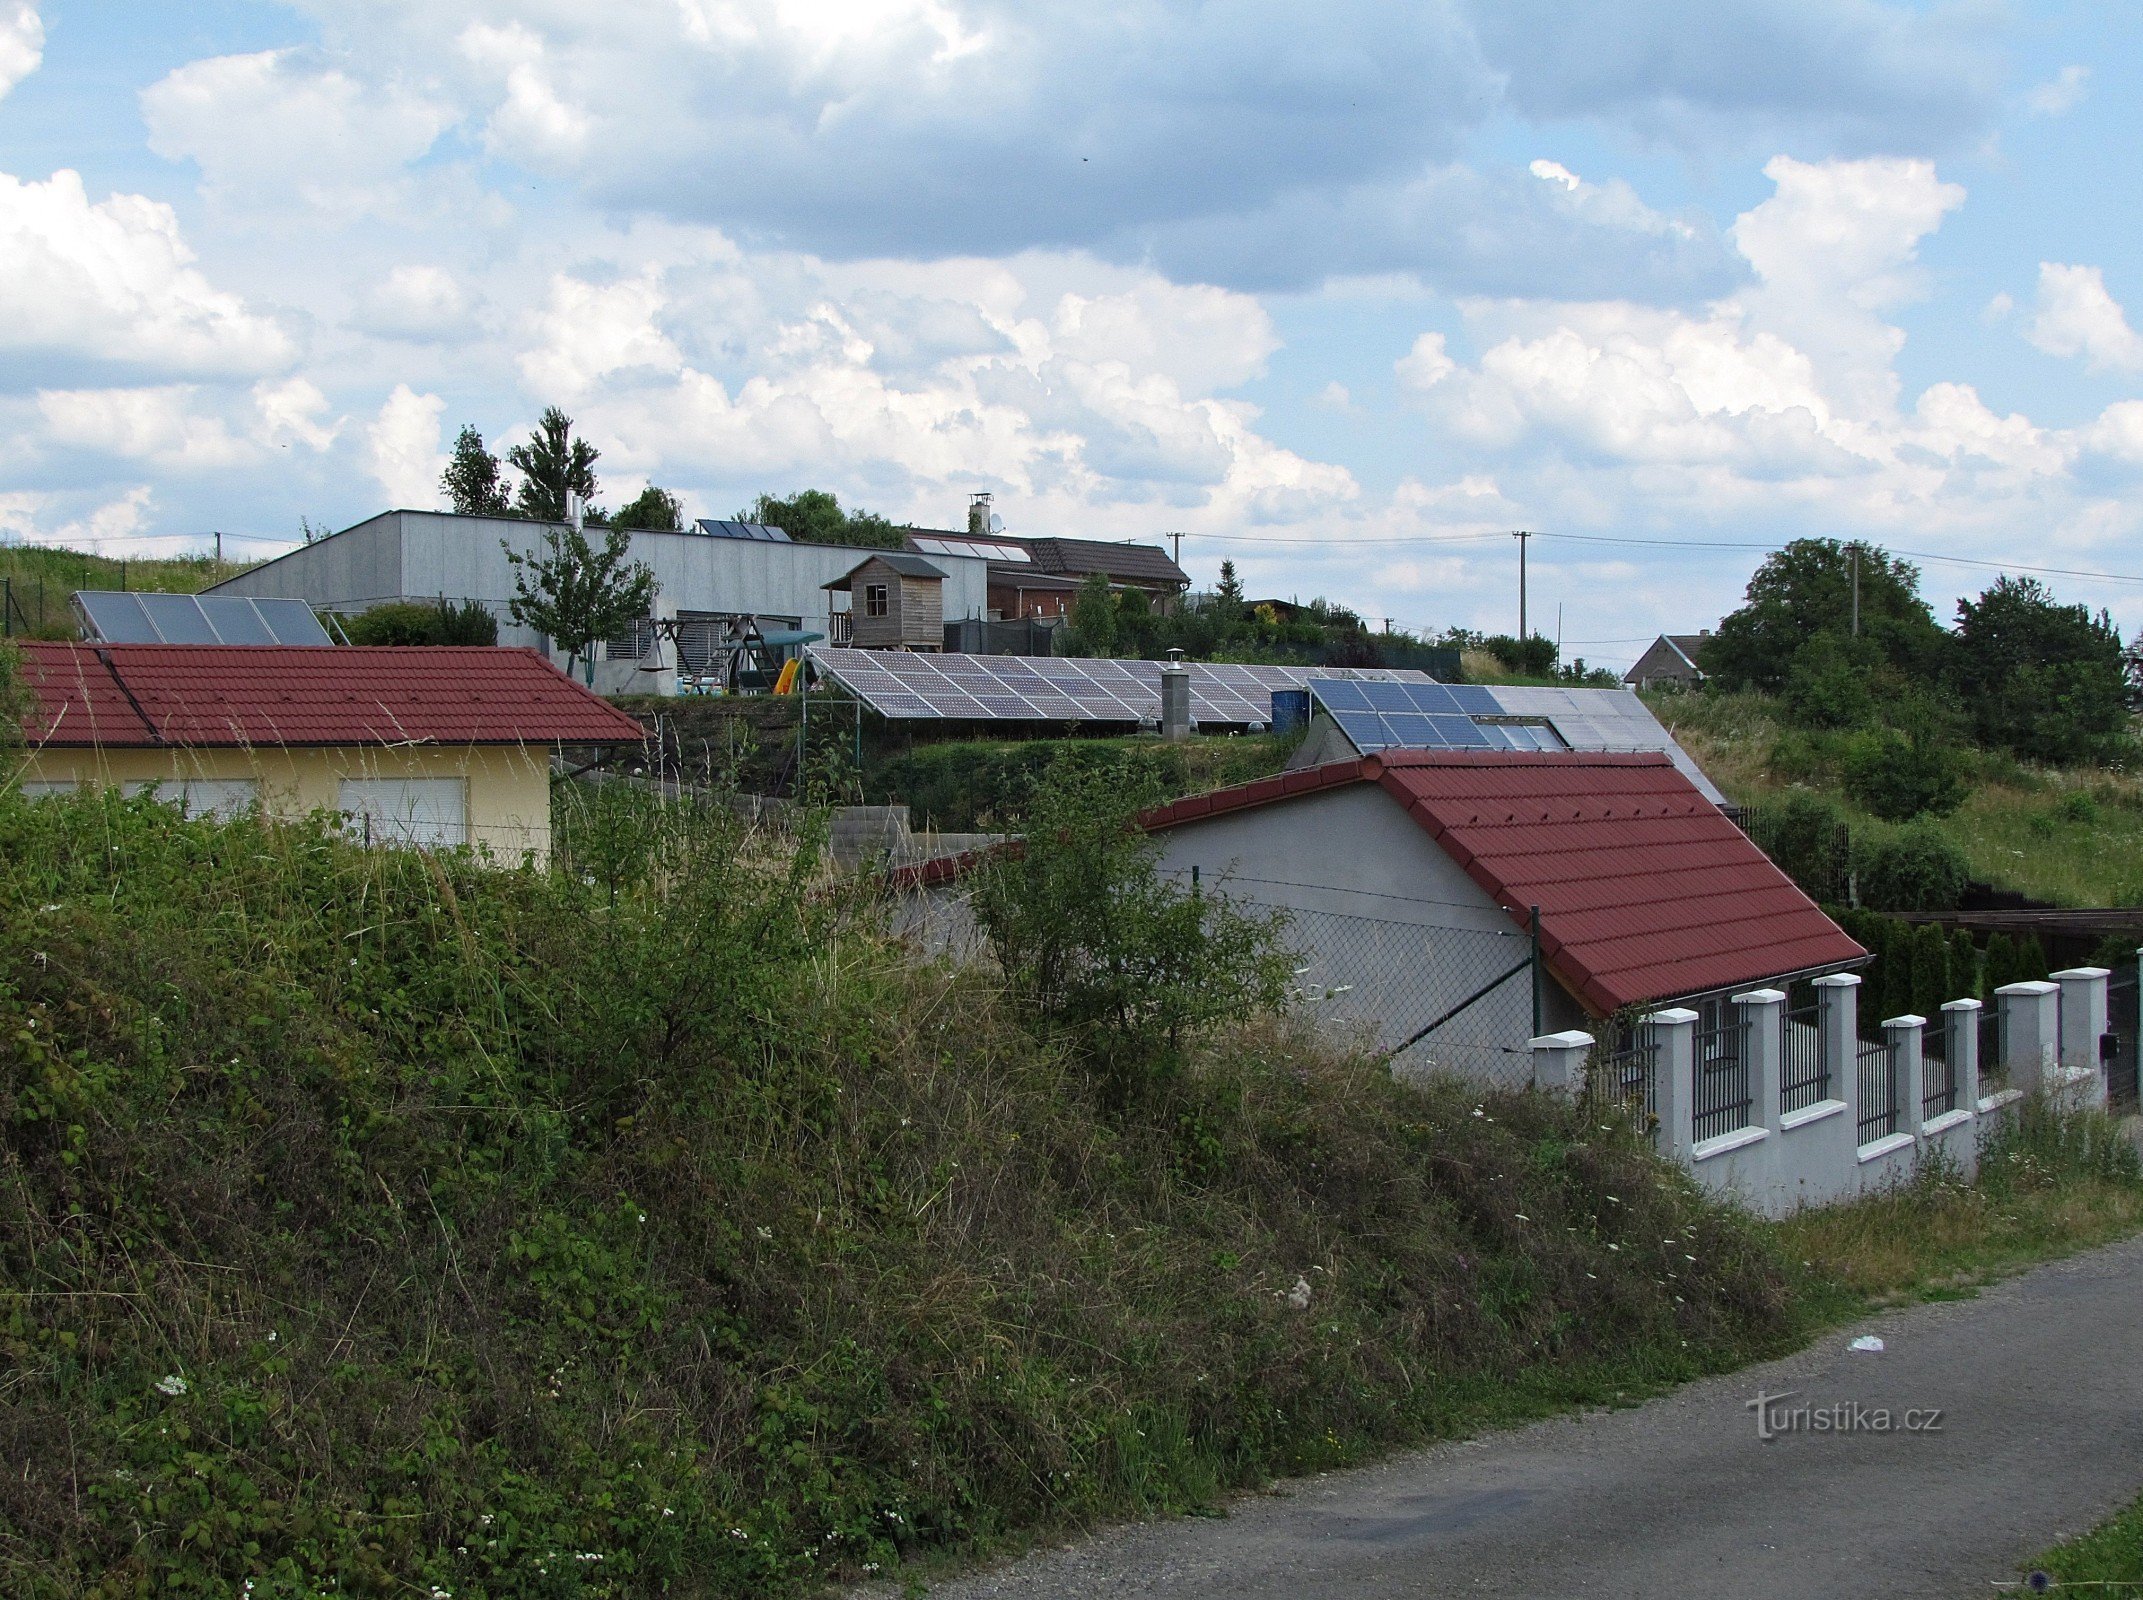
<point x="1437" y="998"/>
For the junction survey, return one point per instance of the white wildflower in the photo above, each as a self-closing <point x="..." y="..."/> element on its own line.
<point x="1299" y="1296"/>
<point x="171" y="1384"/>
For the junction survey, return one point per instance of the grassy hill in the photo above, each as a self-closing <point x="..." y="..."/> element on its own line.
<point x="373" y="1223"/>
<point x="43" y="579"/>
<point x="2070" y="836"/>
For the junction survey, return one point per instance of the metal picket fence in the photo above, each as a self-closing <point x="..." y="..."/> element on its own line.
<point x="1722" y="1102"/>
<point x="1623" y="1077"/>
<point x="1876" y="1065"/>
<point x="1804" y="1073"/>
<point x="1938" y="1075"/>
<point x="2124" y="1021"/>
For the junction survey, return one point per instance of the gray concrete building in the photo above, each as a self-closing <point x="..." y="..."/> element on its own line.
<point x="430" y="555"/>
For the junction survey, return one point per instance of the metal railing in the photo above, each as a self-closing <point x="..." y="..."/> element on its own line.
<point x="2122" y="1003"/>
<point x="1721" y="1101"/>
<point x="1938" y="1075"/>
<point x="1803" y="1073"/>
<point x="1992" y="1068"/>
<point x="1876" y="1065"/>
<point x="1624" y="1076"/>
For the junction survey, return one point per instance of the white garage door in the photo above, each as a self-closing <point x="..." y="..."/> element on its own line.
<point x="430" y="813"/>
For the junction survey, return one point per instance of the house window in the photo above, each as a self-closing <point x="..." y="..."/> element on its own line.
<point x="875" y="600"/>
<point x="430" y="813"/>
<point x="47" y="788"/>
<point x="221" y="798"/>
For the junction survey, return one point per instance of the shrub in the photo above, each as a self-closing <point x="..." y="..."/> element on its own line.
<point x="1913" y="868"/>
<point x="1809" y="840"/>
<point x="1103" y="948"/>
<point x="459" y="622"/>
<point x="2079" y="805"/>
<point x="1898" y="778"/>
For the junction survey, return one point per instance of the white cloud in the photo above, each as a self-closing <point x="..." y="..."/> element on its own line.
<point x="167" y="427"/>
<point x="290" y="412"/>
<point x="114" y="281"/>
<point x="45" y="518"/>
<point x="2062" y="93"/>
<point x="1426" y="365"/>
<point x="534" y="123"/>
<point x="402" y="448"/>
<point x="266" y="128"/>
<point x="589" y="331"/>
<point x="2076" y="316"/>
<point x="416" y="301"/>
<point x="22" y="42"/>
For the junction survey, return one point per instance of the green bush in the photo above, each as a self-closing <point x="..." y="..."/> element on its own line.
<point x="427" y="622"/>
<point x="965" y="785"/>
<point x="1898" y="778"/>
<point x="1913" y="868"/>
<point x="1810" y="841"/>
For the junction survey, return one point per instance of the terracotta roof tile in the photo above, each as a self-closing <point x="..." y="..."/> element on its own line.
<point x="206" y="695"/>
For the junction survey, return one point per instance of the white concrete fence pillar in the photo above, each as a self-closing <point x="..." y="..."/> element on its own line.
<point x="2031" y="1025"/>
<point x="1763" y="1022"/>
<point x="1559" y="1060"/>
<point x="1838" y="1037"/>
<point x="1904" y="1039"/>
<point x="2083" y="1024"/>
<point x="1674" y="1071"/>
<point x="1960" y="1045"/>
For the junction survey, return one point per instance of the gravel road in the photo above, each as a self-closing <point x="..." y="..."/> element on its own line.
<point x="2040" y="1386"/>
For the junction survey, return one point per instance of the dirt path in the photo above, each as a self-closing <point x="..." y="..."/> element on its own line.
<point x="2040" y="1386"/>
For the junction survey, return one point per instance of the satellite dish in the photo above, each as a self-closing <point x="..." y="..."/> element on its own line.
<point x="997" y="523"/>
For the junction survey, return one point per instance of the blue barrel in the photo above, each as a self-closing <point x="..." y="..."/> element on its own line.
<point x="1290" y="710"/>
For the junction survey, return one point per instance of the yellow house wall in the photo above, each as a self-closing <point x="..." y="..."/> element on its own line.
<point x="509" y="786"/>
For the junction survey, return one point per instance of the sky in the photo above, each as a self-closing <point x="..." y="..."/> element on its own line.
<point x="1342" y="293"/>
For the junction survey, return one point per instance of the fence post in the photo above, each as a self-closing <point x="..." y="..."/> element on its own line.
<point x="1901" y="1037"/>
<point x="1559" y="1060"/>
<point x="1838" y="1038"/>
<point x="1763" y="1024"/>
<point x="2083" y="1024"/>
<point x="2030" y="1027"/>
<point x="1674" y="1070"/>
<point x="1960" y="1020"/>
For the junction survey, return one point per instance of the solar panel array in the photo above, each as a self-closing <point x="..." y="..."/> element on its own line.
<point x="1439" y="716"/>
<point x="754" y="532"/>
<point x="1426" y="716"/>
<point x="130" y="618"/>
<point x="909" y="686"/>
<point x="985" y="549"/>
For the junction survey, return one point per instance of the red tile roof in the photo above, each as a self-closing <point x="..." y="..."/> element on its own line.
<point x="1646" y="890"/>
<point x="201" y="695"/>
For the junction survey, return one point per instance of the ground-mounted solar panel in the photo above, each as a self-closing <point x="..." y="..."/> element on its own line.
<point x="123" y="618"/>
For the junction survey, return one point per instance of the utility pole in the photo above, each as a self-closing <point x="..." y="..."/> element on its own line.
<point x="1856" y="590"/>
<point x="1177" y="538"/>
<point x="219" y="557"/>
<point x="1521" y="536"/>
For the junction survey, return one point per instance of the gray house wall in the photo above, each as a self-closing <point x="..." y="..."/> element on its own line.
<point x="423" y="555"/>
<point x="1376" y="910"/>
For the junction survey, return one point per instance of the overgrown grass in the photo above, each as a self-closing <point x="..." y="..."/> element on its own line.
<point x="2107" y="1562"/>
<point x="2049" y="1184"/>
<point x="384" y="1224"/>
<point x="2072" y="837"/>
<point x="45" y="580"/>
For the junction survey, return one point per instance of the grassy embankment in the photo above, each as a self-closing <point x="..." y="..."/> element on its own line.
<point x="45" y="579"/>
<point x="2071" y="837"/>
<point x="386" y="1224"/>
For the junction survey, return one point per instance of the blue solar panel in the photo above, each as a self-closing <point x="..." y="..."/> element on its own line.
<point x="1410" y="728"/>
<point x="1472" y="699"/>
<point x="1340" y="694"/>
<point x="1455" y="733"/>
<point x="1390" y="697"/>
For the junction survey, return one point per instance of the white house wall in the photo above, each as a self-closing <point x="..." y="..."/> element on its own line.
<point x="1378" y="911"/>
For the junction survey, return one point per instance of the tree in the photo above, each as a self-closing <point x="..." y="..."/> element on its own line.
<point x="552" y="465"/>
<point x="1899" y="776"/>
<point x="654" y="508"/>
<point x="1094" y="616"/>
<point x="2042" y="680"/>
<point x="1103" y="949"/>
<point x="1533" y="657"/>
<point x="813" y="516"/>
<point x="1228" y="596"/>
<point x="1806" y="590"/>
<point x="472" y="482"/>
<point x="577" y="594"/>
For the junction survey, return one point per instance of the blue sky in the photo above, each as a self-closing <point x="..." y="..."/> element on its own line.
<point x="1343" y="294"/>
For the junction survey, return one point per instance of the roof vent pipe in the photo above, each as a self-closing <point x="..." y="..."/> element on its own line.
<point x="1175" y="698"/>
